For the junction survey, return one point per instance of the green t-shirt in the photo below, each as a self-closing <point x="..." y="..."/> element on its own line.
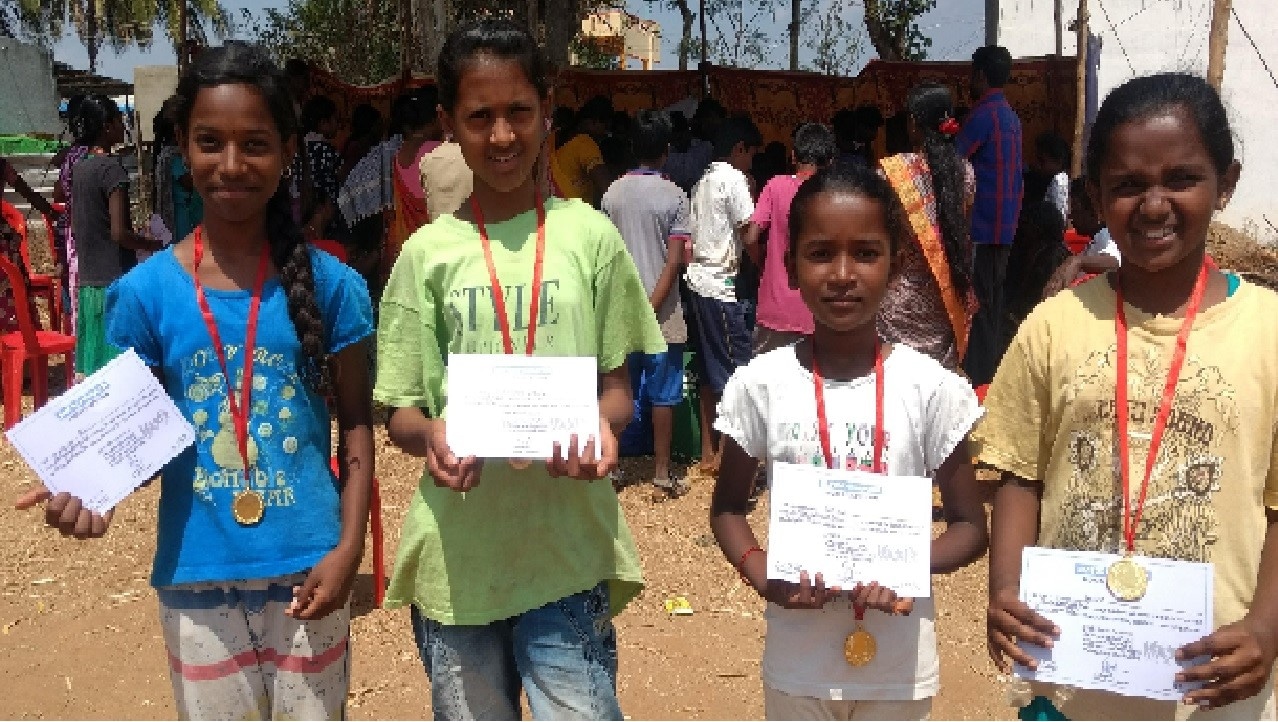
<point x="520" y="539"/>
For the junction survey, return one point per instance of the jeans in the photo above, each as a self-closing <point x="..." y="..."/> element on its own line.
<point x="563" y="655"/>
<point x="985" y="344"/>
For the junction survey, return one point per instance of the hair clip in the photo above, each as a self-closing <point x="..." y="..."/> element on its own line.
<point x="949" y="127"/>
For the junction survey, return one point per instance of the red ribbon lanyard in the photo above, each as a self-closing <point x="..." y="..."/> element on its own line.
<point x="499" y="298"/>
<point x="240" y="410"/>
<point x="823" y="426"/>
<point x="1132" y="518"/>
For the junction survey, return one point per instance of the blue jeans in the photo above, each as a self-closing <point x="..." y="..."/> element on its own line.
<point x="563" y="655"/>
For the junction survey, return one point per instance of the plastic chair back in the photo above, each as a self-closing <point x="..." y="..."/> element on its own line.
<point x="18" y="282"/>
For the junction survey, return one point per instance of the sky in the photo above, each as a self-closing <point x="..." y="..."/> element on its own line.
<point x="956" y="28"/>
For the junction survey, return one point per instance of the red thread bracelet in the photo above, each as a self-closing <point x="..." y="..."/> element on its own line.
<point x="744" y="557"/>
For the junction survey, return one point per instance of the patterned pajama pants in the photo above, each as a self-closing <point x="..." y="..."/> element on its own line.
<point x="234" y="654"/>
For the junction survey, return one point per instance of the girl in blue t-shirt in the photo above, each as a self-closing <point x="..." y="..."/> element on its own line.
<point x="249" y="330"/>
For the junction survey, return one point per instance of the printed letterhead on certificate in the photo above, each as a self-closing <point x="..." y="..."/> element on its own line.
<point x="105" y="436"/>
<point x="509" y="406"/>
<point x="852" y="527"/>
<point x="1106" y="643"/>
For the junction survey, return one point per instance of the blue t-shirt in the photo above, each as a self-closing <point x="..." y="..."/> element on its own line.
<point x="153" y="310"/>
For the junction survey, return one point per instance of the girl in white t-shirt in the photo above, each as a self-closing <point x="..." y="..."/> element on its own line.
<point x="846" y="230"/>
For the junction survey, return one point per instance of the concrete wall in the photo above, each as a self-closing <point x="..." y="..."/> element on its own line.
<point x="152" y="85"/>
<point x="28" y="97"/>
<point x="1147" y="36"/>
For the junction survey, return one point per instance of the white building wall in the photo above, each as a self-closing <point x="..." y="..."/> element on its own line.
<point x="1161" y="35"/>
<point x="28" y="97"/>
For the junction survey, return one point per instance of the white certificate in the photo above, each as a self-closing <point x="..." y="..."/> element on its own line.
<point x="105" y="436"/>
<point x="852" y="527"/>
<point x="503" y="405"/>
<point x="1106" y="643"/>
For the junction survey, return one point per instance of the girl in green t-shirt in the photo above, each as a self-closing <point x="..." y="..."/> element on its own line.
<point x="513" y="581"/>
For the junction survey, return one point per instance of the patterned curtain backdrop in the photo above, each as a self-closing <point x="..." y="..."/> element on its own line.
<point x="1041" y="91"/>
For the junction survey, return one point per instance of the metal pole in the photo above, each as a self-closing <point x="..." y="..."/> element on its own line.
<point x="1058" y="12"/>
<point x="1080" y="98"/>
<point x="1217" y="41"/>
<point x="991" y="22"/>
<point x="794" y="34"/>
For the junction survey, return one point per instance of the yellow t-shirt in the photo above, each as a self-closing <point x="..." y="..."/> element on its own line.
<point x="1051" y="418"/>
<point x="573" y="163"/>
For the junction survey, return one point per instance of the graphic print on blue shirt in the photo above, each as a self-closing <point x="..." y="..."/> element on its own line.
<point x="288" y="440"/>
<point x="853" y="445"/>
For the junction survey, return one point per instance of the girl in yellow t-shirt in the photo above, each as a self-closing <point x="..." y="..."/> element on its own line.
<point x="1161" y="162"/>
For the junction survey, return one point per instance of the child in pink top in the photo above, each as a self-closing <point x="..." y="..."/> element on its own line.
<point x="782" y="318"/>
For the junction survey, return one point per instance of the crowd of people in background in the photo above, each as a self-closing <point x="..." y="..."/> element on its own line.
<point x="847" y="308"/>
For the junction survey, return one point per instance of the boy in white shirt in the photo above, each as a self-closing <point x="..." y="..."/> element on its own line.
<point x="721" y="209"/>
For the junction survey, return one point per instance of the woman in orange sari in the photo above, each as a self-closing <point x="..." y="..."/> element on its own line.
<point x="930" y="304"/>
<point x="418" y="123"/>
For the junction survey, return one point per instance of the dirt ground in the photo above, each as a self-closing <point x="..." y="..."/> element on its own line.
<point x="79" y="634"/>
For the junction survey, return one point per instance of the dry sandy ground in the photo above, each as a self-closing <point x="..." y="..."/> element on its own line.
<point x="79" y="636"/>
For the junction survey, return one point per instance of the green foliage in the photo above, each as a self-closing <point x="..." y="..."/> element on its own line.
<point x="835" y="41"/>
<point x="738" y="39"/>
<point x="894" y="30"/>
<point x="118" y="24"/>
<point x="356" y="40"/>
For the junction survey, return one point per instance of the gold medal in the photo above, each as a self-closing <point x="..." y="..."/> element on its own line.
<point x="859" y="648"/>
<point x="1127" y="580"/>
<point x="520" y="464"/>
<point x="248" y="506"/>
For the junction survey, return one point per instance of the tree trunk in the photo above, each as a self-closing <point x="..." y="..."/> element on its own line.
<point x="794" y="33"/>
<point x="91" y="24"/>
<point x="880" y="37"/>
<point x="563" y="24"/>
<point x="1216" y="42"/>
<point x="1080" y="96"/>
<point x="431" y="23"/>
<point x="685" y="43"/>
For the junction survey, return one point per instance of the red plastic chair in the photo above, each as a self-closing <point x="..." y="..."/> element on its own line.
<point x="379" y="551"/>
<point x="41" y="285"/>
<point x="29" y="343"/>
<point x="53" y="253"/>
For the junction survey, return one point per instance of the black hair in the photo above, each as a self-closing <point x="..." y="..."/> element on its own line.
<point x="1034" y="184"/>
<point x="1037" y="250"/>
<point x="615" y="151"/>
<point x="297" y="69"/>
<point x="994" y="62"/>
<point x="1078" y="194"/>
<point x="162" y="128"/>
<point x="843" y="122"/>
<point x="428" y="95"/>
<point x="596" y="108"/>
<point x="409" y="113"/>
<point x="317" y="109"/>
<point x="854" y="180"/>
<point x="930" y="105"/>
<point x="710" y="106"/>
<point x="868" y="119"/>
<point x="1055" y="147"/>
<point x="364" y="120"/>
<point x="1145" y="97"/>
<point x="650" y="134"/>
<point x="814" y="145"/>
<point x="496" y="37"/>
<point x="733" y="131"/>
<point x="91" y="118"/>
<point x="240" y="63"/>
<point x="563" y="119"/>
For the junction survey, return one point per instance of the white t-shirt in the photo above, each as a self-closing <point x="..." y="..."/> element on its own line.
<point x="769" y="408"/>
<point x="1058" y="193"/>
<point x="721" y="204"/>
<point x="1102" y="242"/>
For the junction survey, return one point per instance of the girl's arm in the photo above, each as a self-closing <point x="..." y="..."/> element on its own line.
<point x="122" y="226"/>
<point x="328" y="585"/>
<point x="418" y="435"/>
<point x="1242" y="654"/>
<point x="965" y="537"/>
<point x="728" y="509"/>
<point x="1015" y="526"/>
<point x="669" y="275"/>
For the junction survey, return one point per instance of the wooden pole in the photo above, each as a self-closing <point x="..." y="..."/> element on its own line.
<point x="794" y="34"/>
<point x="183" y="55"/>
<point x="1216" y="42"/>
<point x="405" y="39"/>
<point x="1080" y="97"/>
<point x="1058" y="13"/>
<point x="991" y="22"/>
<point x="703" y="66"/>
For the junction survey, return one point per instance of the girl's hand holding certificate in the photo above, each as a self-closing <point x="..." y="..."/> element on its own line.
<point x="444" y="467"/>
<point x="66" y="513"/>
<point x="1241" y="657"/>
<point x="594" y="461"/>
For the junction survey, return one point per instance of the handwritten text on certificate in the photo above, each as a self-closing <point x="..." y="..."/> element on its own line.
<point x="518" y="406"/>
<point x="852" y="527"/>
<point x="105" y="436"/>
<point x="1106" y="643"/>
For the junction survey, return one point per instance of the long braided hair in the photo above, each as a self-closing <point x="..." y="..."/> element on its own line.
<point x="244" y="64"/>
<point x="930" y="106"/>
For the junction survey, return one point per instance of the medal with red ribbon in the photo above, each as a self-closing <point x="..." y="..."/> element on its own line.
<point x="499" y="297"/>
<point x="248" y="505"/>
<point x="1126" y="578"/>
<point x="860" y="646"/>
